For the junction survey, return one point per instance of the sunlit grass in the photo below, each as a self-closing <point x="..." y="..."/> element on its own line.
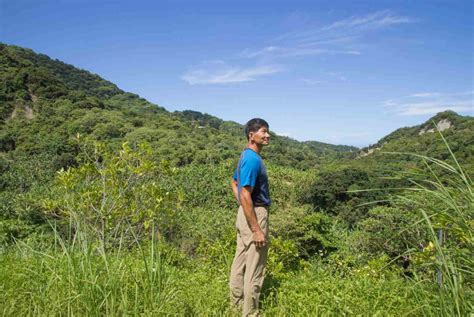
<point x="446" y="204"/>
<point x="78" y="275"/>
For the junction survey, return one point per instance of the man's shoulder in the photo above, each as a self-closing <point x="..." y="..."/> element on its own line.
<point x="251" y="157"/>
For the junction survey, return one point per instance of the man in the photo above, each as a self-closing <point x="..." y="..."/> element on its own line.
<point x="250" y="188"/>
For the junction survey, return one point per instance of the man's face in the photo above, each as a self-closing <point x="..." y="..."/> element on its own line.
<point x="261" y="137"/>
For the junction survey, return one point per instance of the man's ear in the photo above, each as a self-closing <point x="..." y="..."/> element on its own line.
<point x="251" y="136"/>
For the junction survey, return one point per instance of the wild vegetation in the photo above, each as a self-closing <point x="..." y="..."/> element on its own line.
<point x="112" y="205"/>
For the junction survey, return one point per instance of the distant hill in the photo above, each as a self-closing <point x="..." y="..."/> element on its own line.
<point x="45" y="103"/>
<point x="350" y="187"/>
<point x="425" y="139"/>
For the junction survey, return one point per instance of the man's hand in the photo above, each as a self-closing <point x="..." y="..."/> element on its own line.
<point x="258" y="237"/>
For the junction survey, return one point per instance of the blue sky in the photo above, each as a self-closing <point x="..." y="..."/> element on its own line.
<point x="343" y="72"/>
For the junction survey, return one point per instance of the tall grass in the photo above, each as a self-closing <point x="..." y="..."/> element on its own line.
<point x="444" y="198"/>
<point x="83" y="279"/>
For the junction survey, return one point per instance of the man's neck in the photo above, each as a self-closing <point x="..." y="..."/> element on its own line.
<point x="254" y="147"/>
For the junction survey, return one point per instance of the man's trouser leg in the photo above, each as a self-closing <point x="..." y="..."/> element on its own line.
<point x="237" y="274"/>
<point x="248" y="268"/>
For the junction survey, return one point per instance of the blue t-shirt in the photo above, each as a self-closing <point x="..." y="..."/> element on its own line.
<point x="254" y="174"/>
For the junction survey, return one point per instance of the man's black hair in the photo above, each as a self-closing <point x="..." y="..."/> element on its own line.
<point x="254" y="125"/>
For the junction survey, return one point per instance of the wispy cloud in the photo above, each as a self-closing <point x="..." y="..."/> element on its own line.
<point x="221" y="73"/>
<point x="330" y="77"/>
<point x="372" y="21"/>
<point x="439" y="94"/>
<point x="337" y="38"/>
<point x="425" y="95"/>
<point x="287" y="134"/>
<point x="344" y="31"/>
<point x="338" y="76"/>
<point x="423" y="109"/>
<point x="310" y="81"/>
<point x="434" y="102"/>
<point x="276" y="51"/>
<point x="340" y="37"/>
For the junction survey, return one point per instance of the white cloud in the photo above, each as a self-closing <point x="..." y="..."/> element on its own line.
<point x="439" y="94"/>
<point x="345" y="30"/>
<point x="426" y="94"/>
<point x="337" y="76"/>
<point x="371" y="21"/>
<point x="433" y="108"/>
<point x="221" y="73"/>
<point x="390" y="103"/>
<point x="276" y="51"/>
<point x="339" y="37"/>
<point x="312" y="81"/>
<point x="247" y="53"/>
<point x="287" y="134"/>
<point x="433" y="103"/>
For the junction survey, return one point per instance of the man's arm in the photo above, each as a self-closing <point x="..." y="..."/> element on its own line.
<point x="258" y="236"/>
<point x="235" y="190"/>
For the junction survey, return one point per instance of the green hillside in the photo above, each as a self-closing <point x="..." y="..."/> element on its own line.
<point x="393" y="162"/>
<point x="111" y="205"/>
<point x="422" y="139"/>
<point x="46" y="103"/>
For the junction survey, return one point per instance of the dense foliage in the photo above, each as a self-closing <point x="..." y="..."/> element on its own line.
<point x="112" y="205"/>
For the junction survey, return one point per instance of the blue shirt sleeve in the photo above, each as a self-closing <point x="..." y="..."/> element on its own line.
<point x="249" y="169"/>
<point x="235" y="175"/>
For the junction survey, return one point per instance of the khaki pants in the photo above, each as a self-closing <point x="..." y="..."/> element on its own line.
<point x="248" y="268"/>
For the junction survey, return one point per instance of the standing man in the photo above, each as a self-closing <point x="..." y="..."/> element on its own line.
<point x="250" y="188"/>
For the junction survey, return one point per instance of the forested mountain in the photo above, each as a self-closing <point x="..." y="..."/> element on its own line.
<point x="48" y="108"/>
<point x="46" y="103"/>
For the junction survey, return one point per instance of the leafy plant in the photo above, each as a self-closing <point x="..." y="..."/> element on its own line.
<point x="110" y="194"/>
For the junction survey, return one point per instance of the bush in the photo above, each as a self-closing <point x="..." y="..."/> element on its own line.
<point x="114" y="198"/>
<point x="389" y="231"/>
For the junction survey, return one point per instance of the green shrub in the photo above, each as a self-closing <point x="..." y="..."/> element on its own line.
<point x="114" y="198"/>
